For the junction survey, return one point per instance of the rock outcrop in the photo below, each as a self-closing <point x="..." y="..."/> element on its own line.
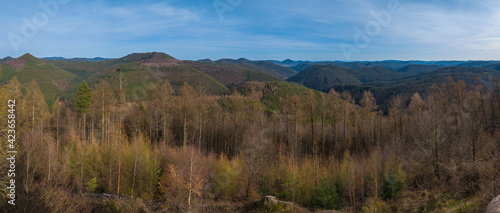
<point x="289" y="206"/>
<point x="494" y="206"/>
<point x="271" y="200"/>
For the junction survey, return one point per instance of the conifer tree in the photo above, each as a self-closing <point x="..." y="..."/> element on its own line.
<point x="82" y="102"/>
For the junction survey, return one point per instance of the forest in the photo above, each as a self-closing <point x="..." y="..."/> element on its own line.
<point x="187" y="150"/>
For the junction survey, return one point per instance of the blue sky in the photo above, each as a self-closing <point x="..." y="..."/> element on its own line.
<point x="255" y="29"/>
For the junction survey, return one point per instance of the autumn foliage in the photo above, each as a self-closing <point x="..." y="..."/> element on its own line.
<point x="186" y="150"/>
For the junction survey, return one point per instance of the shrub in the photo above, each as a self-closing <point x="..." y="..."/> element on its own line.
<point x="226" y="180"/>
<point x="391" y="185"/>
<point x="326" y="196"/>
<point x="91" y="185"/>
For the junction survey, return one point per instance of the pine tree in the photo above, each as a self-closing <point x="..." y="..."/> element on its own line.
<point x="82" y="102"/>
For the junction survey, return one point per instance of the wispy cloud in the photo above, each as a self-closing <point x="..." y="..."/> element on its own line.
<point x="427" y="29"/>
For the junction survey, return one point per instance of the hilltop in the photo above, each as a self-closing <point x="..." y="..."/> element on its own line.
<point x="51" y="79"/>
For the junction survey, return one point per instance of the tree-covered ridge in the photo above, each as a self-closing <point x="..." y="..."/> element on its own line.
<point x="263" y="66"/>
<point x="228" y="74"/>
<point x="52" y="80"/>
<point x="324" y="77"/>
<point x="62" y="77"/>
<point x="192" y="151"/>
<point x="407" y="86"/>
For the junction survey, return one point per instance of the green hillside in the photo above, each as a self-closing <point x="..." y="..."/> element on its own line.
<point x="415" y="69"/>
<point x="275" y="92"/>
<point x="407" y="86"/>
<point x="324" y="77"/>
<point x="262" y="66"/>
<point x="321" y="77"/>
<point x="51" y="79"/>
<point x="137" y="75"/>
<point x="495" y="66"/>
<point x="59" y="77"/>
<point x="83" y="69"/>
<point x="230" y="74"/>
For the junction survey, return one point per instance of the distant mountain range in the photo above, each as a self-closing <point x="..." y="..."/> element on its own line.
<point x="77" y="59"/>
<point x="388" y="64"/>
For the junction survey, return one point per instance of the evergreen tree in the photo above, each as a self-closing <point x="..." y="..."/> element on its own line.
<point x="82" y="101"/>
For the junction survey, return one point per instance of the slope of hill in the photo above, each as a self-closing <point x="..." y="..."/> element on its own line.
<point x="287" y="63"/>
<point x="51" y="79"/>
<point x="138" y="70"/>
<point x="262" y="66"/>
<point x="389" y="64"/>
<point x="302" y="66"/>
<point x="415" y="69"/>
<point x="229" y="74"/>
<point x="273" y="93"/>
<point x="375" y="74"/>
<point x="495" y="66"/>
<point x="474" y="64"/>
<point x="83" y="69"/>
<point x="8" y="58"/>
<point x="324" y="77"/>
<point x="407" y="86"/>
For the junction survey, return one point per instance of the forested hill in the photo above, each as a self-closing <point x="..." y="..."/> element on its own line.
<point x="264" y="66"/>
<point x="53" y="80"/>
<point x="59" y="77"/>
<point x="138" y="73"/>
<point x="301" y="65"/>
<point x="386" y="83"/>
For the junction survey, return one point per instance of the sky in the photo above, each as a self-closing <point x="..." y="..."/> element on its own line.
<point x="345" y="30"/>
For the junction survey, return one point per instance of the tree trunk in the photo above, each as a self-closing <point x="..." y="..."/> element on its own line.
<point x="200" y="131"/>
<point x="110" y="185"/>
<point x="119" y="173"/>
<point x="102" y="122"/>
<point x="345" y="126"/>
<point x="26" y="185"/>
<point x="235" y="132"/>
<point x="323" y="136"/>
<point x="184" y="134"/>
<point x="133" y="179"/>
<point x="57" y="133"/>
<point x="81" y="167"/>
<point x="190" y="180"/>
<point x="50" y="160"/>
<point x="84" y="122"/>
